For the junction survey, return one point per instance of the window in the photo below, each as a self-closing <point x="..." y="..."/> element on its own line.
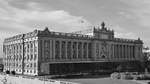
<point x="31" y="49"/>
<point x="27" y="47"/>
<point x="31" y="57"/>
<point x="17" y="65"/>
<point x="34" y="71"/>
<point x="16" y="57"/>
<point x="34" y="64"/>
<point x="31" y="65"/>
<point x="20" y="48"/>
<point x="31" y="45"/>
<point x="20" y="57"/>
<point x="27" y="65"/>
<point x="17" y="48"/>
<point x="24" y="49"/>
<point x="35" y="48"/>
<point x="35" y="57"/>
<point x="20" y="65"/>
<point x="27" y="57"/>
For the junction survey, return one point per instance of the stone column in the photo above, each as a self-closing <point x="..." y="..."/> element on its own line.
<point x="126" y="51"/>
<point x="133" y="51"/>
<point x="42" y="50"/>
<point x="131" y="54"/>
<point x="12" y="56"/>
<point x="120" y="48"/>
<point x="50" y="51"/>
<point x="54" y="49"/>
<point x="114" y="48"/>
<point x="82" y="53"/>
<point x="60" y="45"/>
<point x="129" y="51"/>
<point x="87" y="50"/>
<point x="112" y="51"/>
<point x="117" y="46"/>
<point x="66" y="43"/>
<point x="118" y="51"/>
<point x="127" y="54"/>
<point x="77" y="49"/>
<point x="136" y="52"/>
<point x="122" y="52"/>
<point x="33" y="48"/>
<point x="71" y="50"/>
<point x="93" y="50"/>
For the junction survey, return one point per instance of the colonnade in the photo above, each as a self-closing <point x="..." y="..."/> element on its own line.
<point x="62" y="49"/>
<point x="123" y="51"/>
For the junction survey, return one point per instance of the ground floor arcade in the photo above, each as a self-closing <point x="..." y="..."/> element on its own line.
<point x="73" y="68"/>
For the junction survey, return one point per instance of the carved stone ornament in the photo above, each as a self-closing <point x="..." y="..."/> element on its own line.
<point x="103" y="50"/>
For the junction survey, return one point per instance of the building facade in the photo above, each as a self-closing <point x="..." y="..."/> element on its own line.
<point x="46" y="52"/>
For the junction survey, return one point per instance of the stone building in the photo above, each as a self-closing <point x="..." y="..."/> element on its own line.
<point x="47" y="52"/>
<point x="146" y="53"/>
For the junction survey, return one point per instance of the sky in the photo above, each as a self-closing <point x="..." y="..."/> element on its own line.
<point x="128" y="18"/>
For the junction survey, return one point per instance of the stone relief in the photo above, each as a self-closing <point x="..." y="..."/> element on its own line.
<point x="103" y="52"/>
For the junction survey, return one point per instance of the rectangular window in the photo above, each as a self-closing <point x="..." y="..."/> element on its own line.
<point x="35" y="56"/>
<point x="31" y="65"/>
<point x="34" y="64"/>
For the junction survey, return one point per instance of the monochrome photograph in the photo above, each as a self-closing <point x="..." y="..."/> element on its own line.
<point x="74" y="42"/>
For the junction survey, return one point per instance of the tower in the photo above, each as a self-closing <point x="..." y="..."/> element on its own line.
<point x="103" y="33"/>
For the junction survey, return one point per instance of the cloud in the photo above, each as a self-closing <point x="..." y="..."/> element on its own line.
<point x="129" y="16"/>
<point x="140" y="11"/>
<point x="14" y="20"/>
<point x="129" y="35"/>
<point x="27" y="19"/>
<point x="60" y="19"/>
<point x="121" y="32"/>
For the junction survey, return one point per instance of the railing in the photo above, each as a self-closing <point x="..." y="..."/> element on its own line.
<point x="70" y="35"/>
<point x="126" y="40"/>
